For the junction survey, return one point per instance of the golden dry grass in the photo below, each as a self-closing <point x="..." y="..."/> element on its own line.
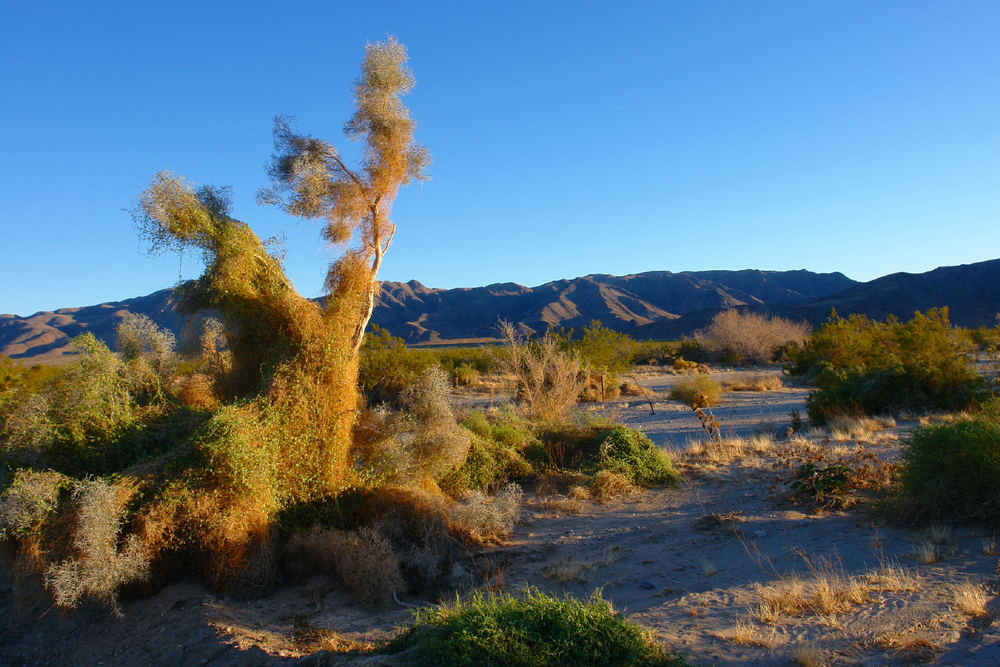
<point x="970" y="599"/>
<point x="761" y="382"/>
<point x="727" y="450"/>
<point x="607" y="486"/>
<point x="810" y="654"/>
<point x="826" y="591"/>
<point x="748" y="633"/>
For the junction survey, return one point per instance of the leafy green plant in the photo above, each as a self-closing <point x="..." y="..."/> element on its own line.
<point x="634" y="456"/>
<point x="821" y="482"/>
<point x="531" y="630"/>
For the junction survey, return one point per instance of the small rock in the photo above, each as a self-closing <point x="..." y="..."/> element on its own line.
<point x="646" y="585"/>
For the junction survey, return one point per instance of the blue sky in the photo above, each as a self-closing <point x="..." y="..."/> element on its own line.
<point x="568" y="137"/>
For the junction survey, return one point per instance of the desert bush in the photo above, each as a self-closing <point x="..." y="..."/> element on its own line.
<point x="103" y="562"/>
<point x="548" y="379"/>
<point x="31" y="496"/>
<point x="481" y="518"/>
<point x="951" y="471"/>
<point x="631" y="454"/>
<point x="700" y="391"/>
<point x="362" y="559"/>
<point x="138" y="337"/>
<point x="534" y="629"/>
<point x="653" y="353"/>
<point x="69" y="421"/>
<point x="755" y="337"/>
<point x="416" y="524"/>
<point x="423" y="441"/>
<point x="863" y="367"/>
<point x="438" y="443"/>
<point x="490" y="464"/>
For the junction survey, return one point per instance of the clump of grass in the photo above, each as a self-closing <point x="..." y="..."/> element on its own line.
<point x="809" y="654"/>
<point x="827" y="591"/>
<point x="534" y="629"/>
<point x="748" y="633"/>
<point x="699" y="391"/>
<point x="970" y="599"/>
<point x="607" y="486"/>
<point x="727" y="450"/>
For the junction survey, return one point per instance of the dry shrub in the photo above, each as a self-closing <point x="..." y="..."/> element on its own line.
<point x="416" y="524"/>
<point x="101" y="565"/>
<point x="362" y="559"/>
<point x="140" y="338"/>
<point x="198" y="391"/>
<point x="607" y="486"/>
<point x="549" y="380"/>
<point x="567" y="571"/>
<point x="438" y="443"/>
<point x="598" y="386"/>
<point x="700" y="391"/>
<point x="970" y="599"/>
<point x="481" y="518"/>
<point x="753" y="336"/>
<point x="760" y="382"/>
<point x="421" y="445"/>
<point x="28" y="501"/>
<point x="552" y="482"/>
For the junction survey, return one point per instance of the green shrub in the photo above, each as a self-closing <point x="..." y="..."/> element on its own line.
<point x="536" y="629"/>
<point x="700" y="391"/>
<point x="488" y="466"/>
<point x="632" y="455"/>
<point x="862" y="366"/>
<point x="952" y="471"/>
<point x="496" y="455"/>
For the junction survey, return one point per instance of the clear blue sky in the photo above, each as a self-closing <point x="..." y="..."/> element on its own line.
<point x="568" y="137"/>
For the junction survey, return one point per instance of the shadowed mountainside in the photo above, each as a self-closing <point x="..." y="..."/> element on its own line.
<point x="655" y="304"/>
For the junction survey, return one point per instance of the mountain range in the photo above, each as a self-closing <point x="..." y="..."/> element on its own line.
<point x="655" y="304"/>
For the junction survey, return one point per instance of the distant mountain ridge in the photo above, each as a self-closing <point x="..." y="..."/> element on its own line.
<point x="655" y="304"/>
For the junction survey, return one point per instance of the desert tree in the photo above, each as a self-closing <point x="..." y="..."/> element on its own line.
<point x="285" y="435"/>
<point x="310" y="179"/>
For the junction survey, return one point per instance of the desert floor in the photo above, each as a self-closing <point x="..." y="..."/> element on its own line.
<point x="727" y="569"/>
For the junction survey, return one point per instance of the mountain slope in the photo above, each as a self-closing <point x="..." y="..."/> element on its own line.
<point x="655" y="304"/>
